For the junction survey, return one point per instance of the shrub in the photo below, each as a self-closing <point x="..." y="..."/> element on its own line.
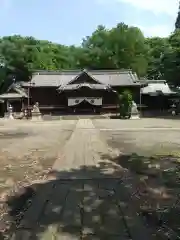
<point x="125" y="103"/>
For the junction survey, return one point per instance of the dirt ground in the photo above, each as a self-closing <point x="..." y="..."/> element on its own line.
<point x="27" y="152"/>
<point x="148" y="148"/>
<point x="150" y="151"/>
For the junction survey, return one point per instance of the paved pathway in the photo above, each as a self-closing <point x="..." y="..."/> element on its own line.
<point x="86" y="198"/>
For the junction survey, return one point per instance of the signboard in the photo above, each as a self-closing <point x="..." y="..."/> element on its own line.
<point x="91" y="100"/>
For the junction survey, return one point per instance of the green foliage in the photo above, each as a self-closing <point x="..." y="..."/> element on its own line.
<point x="2" y="73"/>
<point x="122" y="47"/>
<point x="157" y="47"/>
<point x="170" y="60"/>
<point x="125" y="103"/>
<point x="177" y="23"/>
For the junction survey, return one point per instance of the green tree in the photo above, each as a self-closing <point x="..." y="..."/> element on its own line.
<point x="177" y="23"/>
<point x="121" y="47"/>
<point x="157" y="47"/>
<point x="171" y="60"/>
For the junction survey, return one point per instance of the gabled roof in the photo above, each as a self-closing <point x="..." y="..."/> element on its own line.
<point x="15" y="91"/>
<point x="61" y="78"/>
<point x="16" y="88"/>
<point x="88" y="78"/>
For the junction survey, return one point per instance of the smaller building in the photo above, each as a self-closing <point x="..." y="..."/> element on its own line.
<point x="156" y="88"/>
<point x="15" y="96"/>
<point x="157" y="96"/>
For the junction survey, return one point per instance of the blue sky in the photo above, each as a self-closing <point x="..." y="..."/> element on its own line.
<point x="68" y="21"/>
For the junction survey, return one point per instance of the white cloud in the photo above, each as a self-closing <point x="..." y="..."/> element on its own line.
<point x="169" y="7"/>
<point x="157" y="30"/>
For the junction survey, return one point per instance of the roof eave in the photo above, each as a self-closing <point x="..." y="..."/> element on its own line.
<point x="11" y="96"/>
<point x="5" y="98"/>
<point x="158" y="94"/>
<point x="125" y="85"/>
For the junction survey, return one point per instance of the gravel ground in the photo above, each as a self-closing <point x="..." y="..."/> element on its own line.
<point x="27" y="152"/>
<point x="136" y="124"/>
<point x="152" y="156"/>
<point x="143" y="137"/>
<point x="29" y="149"/>
<point x="146" y="142"/>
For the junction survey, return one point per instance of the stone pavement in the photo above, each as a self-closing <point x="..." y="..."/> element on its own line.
<point x="85" y="198"/>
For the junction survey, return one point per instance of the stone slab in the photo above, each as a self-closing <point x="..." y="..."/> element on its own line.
<point x="35" y="211"/>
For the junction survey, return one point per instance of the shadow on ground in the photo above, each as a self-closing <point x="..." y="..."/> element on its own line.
<point x="106" y="207"/>
<point x="77" y="207"/>
<point x="158" y="188"/>
<point x="103" y="208"/>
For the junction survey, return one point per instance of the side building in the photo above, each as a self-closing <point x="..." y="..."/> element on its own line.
<point x="157" y="98"/>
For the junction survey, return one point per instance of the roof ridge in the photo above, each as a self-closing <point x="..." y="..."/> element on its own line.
<point x="153" y="81"/>
<point x="50" y="72"/>
<point x="59" y="72"/>
<point x="111" y="70"/>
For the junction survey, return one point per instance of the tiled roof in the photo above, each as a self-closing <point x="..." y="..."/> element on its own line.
<point x="10" y="96"/>
<point x="116" y="78"/>
<point x="49" y="80"/>
<point x="18" y="89"/>
<point x="156" y="88"/>
<point x="111" y="77"/>
<point x="77" y="86"/>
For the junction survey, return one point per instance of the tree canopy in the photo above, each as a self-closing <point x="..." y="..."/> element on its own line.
<point x="177" y="23"/>
<point x="122" y="47"/>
